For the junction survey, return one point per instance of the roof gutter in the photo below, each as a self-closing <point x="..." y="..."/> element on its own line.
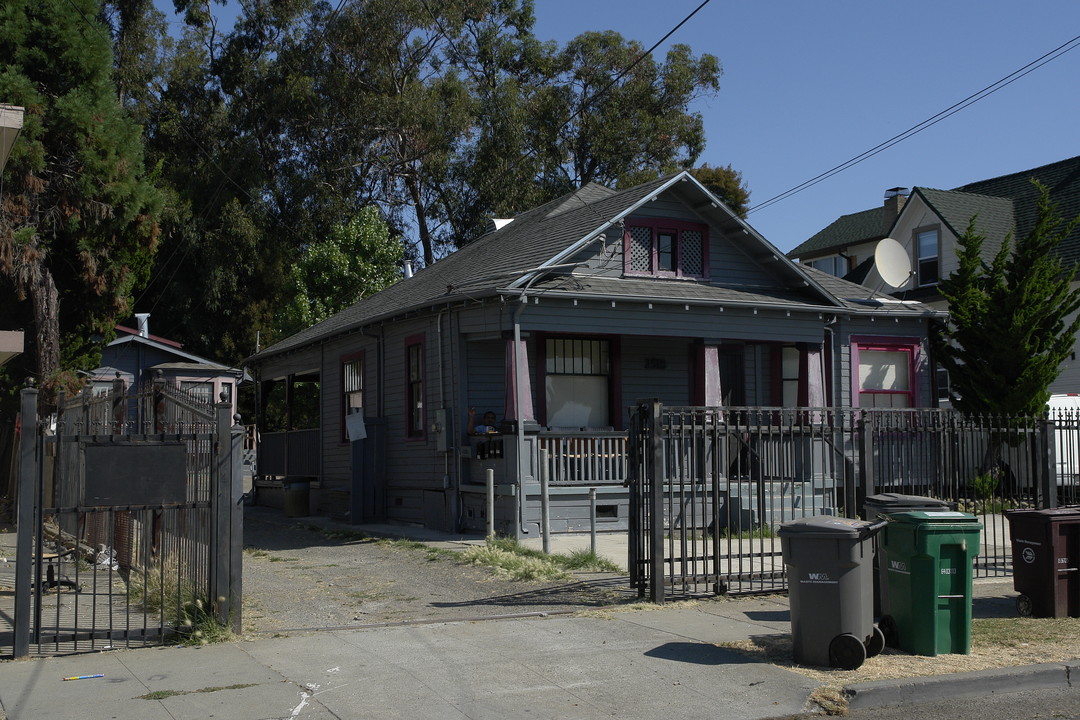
<point x="702" y="302"/>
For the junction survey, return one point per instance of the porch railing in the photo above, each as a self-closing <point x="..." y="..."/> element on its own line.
<point x="585" y="458"/>
<point x="711" y="486"/>
<point x="290" y="452"/>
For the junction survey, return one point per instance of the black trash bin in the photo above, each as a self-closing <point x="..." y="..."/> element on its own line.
<point x="829" y="570"/>
<point x="884" y="504"/>
<point x="1046" y="561"/>
<point x="297" y="497"/>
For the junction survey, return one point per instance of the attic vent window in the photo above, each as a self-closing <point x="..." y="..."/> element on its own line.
<point x="665" y="248"/>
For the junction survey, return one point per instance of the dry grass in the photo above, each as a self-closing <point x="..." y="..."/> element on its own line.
<point x="995" y="643"/>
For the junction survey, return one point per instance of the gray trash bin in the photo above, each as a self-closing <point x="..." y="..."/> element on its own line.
<point x="830" y="572"/>
<point x="884" y="504"/>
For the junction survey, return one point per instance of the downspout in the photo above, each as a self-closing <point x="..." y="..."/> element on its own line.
<point x="447" y="480"/>
<point x="519" y="516"/>
<point x="831" y="357"/>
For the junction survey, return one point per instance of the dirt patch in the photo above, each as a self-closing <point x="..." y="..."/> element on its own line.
<point x="300" y="576"/>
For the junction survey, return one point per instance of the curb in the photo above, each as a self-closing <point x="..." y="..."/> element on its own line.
<point x="910" y="691"/>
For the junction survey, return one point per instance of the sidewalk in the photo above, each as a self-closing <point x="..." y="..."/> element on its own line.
<point x="626" y="664"/>
<point x="642" y="664"/>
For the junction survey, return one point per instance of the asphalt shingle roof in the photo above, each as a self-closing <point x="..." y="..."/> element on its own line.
<point x="532" y="239"/>
<point x="544" y="236"/>
<point x="1003" y="204"/>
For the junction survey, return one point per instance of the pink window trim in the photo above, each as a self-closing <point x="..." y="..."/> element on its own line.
<point x="910" y="345"/>
<point x="660" y="224"/>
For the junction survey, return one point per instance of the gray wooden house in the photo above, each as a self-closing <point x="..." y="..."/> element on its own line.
<point x="557" y="321"/>
<point x="139" y="358"/>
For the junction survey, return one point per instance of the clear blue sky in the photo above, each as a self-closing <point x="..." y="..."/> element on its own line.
<point x="809" y="85"/>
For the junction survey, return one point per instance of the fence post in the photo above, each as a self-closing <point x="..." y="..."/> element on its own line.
<point x="654" y="469"/>
<point x="28" y="474"/>
<point x="866" y="456"/>
<point x="226" y="543"/>
<point x="545" y="502"/>
<point x="1046" y="474"/>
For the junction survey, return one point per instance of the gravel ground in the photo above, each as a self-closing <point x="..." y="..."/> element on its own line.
<point x="302" y="576"/>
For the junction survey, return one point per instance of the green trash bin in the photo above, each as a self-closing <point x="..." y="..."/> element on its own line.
<point x="928" y="558"/>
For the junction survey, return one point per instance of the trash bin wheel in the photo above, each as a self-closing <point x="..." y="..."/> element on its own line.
<point x="847" y="652"/>
<point x="888" y="628"/>
<point x="1024" y="606"/>
<point x="875" y="643"/>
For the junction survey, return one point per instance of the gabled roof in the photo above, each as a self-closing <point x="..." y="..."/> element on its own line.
<point x="994" y="216"/>
<point x="1063" y="180"/>
<point x="1004" y="204"/>
<point x="540" y="242"/>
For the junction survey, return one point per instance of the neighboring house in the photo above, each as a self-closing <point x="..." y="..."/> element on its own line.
<point x="558" y="321"/>
<point x="927" y="223"/>
<point x="139" y="358"/>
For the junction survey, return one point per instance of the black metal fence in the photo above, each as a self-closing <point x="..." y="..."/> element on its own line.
<point x="710" y="486"/>
<point x="129" y="530"/>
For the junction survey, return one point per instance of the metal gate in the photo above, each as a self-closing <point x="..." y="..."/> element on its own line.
<point x="710" y="486"/>
<point x="129" y="523"/>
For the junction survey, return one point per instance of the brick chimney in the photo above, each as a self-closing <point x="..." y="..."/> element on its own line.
<point x="894" y="203"/>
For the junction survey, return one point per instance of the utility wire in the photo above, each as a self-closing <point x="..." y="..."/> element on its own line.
<point x="929" y="122"/>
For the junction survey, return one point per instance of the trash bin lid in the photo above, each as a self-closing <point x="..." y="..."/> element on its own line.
<point x="901" y="501"/>
<point x="825" y="526"/>
<point x="1048" y="514"/>
<point x="934" y="517"/>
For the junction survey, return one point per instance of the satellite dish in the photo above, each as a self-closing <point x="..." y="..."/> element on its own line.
<point x="892" y="262"/>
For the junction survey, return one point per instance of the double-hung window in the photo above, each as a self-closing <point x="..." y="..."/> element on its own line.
<point x="926" y="248"/>
<point x="665" y="248"/>
<point x="886" y="372"/>
<point x="414" y="386"/>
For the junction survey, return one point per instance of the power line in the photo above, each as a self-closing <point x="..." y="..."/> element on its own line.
<point x="929" y="122"/>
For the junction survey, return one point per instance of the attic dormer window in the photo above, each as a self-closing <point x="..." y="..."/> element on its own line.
<point x="665" y="248"/>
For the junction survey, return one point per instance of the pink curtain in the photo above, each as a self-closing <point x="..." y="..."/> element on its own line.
<point x="517" y="366"/>
<point x="707" y="383"/>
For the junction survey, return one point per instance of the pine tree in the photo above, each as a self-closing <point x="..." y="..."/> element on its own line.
<point x="1008" y="330"/>
<point x="79" y="217"/>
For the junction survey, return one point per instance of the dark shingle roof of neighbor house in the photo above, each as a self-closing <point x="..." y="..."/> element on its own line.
<point x="1004" y="204"/>
<point x="993" y="215"/>
<point x="1063" y="180"/>
<point x="543" y="236"/>
<point x="845" y="230"/>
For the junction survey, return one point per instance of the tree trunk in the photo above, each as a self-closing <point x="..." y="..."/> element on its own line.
<point x="45" y="301"/>
<point x="421" y="218"/>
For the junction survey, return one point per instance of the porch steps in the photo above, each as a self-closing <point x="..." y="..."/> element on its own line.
<point x="779" y="501"/>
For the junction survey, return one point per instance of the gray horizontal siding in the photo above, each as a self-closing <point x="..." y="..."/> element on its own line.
<point x="670" y="384"/>
<point x="590" y="317"/>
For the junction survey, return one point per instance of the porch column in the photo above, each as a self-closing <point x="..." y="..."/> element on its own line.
<point x="707" y="390"/>
<point x="517" y="370"/>
<point x="812" y="377"/>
